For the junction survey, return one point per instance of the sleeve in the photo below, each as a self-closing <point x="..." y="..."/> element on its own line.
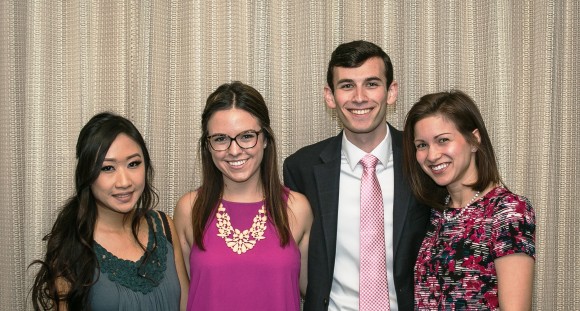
<point x="289" y="180"/>
<point x="514" y="227"/>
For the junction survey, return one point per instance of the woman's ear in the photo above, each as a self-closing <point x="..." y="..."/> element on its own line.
<point x="477" y="137"/>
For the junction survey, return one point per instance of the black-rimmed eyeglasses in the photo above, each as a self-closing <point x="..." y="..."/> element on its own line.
<point x="246" y="140"/>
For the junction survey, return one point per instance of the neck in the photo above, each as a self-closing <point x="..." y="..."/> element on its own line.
<point x="464" y="195"/>
<point x="112" y="221"/>
<point x="243" y="192"/>
<point x="367" y="142"/>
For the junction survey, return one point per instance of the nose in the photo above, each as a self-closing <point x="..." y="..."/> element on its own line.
<point x="234" y="148"/>
<point x="433" y="154"/>
<point x="123" y="180"/>
<point x="360" y="95"/>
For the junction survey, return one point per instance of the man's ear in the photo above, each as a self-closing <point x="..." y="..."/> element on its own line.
<point x="392" y="93"/>
<point x="329" y="97"/>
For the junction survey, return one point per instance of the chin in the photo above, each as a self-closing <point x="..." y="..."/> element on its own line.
<point x="439" y="181"/>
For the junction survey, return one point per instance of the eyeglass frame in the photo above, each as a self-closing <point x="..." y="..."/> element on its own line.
<point x="209" y="137"/>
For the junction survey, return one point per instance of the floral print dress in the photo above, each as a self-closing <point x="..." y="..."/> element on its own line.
<point x="455" y="267"/>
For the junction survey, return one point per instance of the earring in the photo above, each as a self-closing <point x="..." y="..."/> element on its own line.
<point x="473" y="149"/>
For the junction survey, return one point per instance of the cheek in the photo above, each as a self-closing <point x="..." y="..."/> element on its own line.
<point x="339" y="97"/>
<point x="98" y="185"/>
<point x="455" y="150"/>
<point x="214" y="158"/>
<point x="420" y="156"/>
<point x="141" y="177"/>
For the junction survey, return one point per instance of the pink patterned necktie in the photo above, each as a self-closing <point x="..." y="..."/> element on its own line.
<point x="373" y="286"/>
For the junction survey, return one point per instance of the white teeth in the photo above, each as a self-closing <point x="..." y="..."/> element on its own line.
<point x="237" y="163"/>
<point x="439" y="167"/>
<point x="360" y="111"/>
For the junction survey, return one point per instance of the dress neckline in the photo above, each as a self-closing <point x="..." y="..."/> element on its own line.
<point x="144" y="274"/>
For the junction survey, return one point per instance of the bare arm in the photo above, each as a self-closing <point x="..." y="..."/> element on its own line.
<point x="300" y="218"/>
<point x="182" y="219"/>
<point x="180" y="267"/>
<point x="515" y="275"/>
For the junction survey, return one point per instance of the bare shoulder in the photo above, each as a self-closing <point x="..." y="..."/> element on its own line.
<point x="184" y="204"/>
<point x="182" y="213"/>
<point x="299" y="205"/>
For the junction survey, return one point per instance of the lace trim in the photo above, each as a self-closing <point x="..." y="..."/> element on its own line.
<point x="144" y="274"/>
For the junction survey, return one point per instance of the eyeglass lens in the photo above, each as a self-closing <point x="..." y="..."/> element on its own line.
<point x="245" y="140"/>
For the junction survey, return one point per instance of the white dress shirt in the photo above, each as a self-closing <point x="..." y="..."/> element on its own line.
<point x="344" y="294"/>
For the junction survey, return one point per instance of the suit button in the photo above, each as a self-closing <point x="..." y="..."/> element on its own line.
<point x="325" y="301"/>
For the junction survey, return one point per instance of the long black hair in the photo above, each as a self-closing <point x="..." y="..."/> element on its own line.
<point x="67" y="272"/>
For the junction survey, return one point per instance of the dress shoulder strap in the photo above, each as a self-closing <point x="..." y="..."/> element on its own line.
<point x="166" y="227"/>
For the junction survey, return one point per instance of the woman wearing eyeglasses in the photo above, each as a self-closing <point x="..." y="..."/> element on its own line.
<point x="108" y="249"/>
<point x="244" y="235"/>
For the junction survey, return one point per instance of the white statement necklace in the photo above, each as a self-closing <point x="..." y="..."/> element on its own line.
<point x="241" y="241"/>
<point x="448" y="199"/>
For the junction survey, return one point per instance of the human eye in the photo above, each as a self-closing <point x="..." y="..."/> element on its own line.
<point x="420" y="145"/>
<point x="107" y="168"/>
<point x="346" y="86"/>
<point x="135" y="163"/>
<point x="248" y="136"/>
<point x="443" y="140"/>
<point x="219" y="139"/>
<point x="373" y="84"/>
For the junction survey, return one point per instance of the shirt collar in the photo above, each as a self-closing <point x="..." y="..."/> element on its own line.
<point x="354" y="154"/>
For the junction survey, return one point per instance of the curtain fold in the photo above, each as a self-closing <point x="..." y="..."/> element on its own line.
<point x="157" y="61"/>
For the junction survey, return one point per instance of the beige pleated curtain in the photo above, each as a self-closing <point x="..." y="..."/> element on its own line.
<point x="157" y="61"/>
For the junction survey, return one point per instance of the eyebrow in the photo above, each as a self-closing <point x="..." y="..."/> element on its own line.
<point x="242" y="132"/>
<point x="374" y="78"/>
<point x="436" y="136"/>
<point x="135" y="155"/>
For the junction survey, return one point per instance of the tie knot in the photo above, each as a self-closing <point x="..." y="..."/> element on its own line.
<point x="369" y="161"/>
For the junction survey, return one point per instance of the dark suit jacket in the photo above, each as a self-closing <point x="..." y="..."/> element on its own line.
<point x="315" y="172"/>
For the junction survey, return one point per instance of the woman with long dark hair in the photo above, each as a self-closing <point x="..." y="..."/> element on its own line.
<point x="244" y="235"/>
<point x="108" y="249"/>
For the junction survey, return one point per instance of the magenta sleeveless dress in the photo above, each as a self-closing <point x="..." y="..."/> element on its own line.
<point x="265" y="277"/>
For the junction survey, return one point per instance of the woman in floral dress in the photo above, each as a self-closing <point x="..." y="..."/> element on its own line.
<point x="479" y="250"/>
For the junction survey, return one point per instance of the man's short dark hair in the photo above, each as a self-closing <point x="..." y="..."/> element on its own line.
<point x="353" y="54"/>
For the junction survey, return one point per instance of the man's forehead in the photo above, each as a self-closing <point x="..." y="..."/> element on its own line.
<point x="369" y="69"/>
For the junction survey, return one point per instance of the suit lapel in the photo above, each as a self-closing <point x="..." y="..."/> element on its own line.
<point x="327" y="179"/>
<point x="402" y="191"/>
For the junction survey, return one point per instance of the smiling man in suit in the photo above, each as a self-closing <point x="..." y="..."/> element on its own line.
<point x="359" y="87"/>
